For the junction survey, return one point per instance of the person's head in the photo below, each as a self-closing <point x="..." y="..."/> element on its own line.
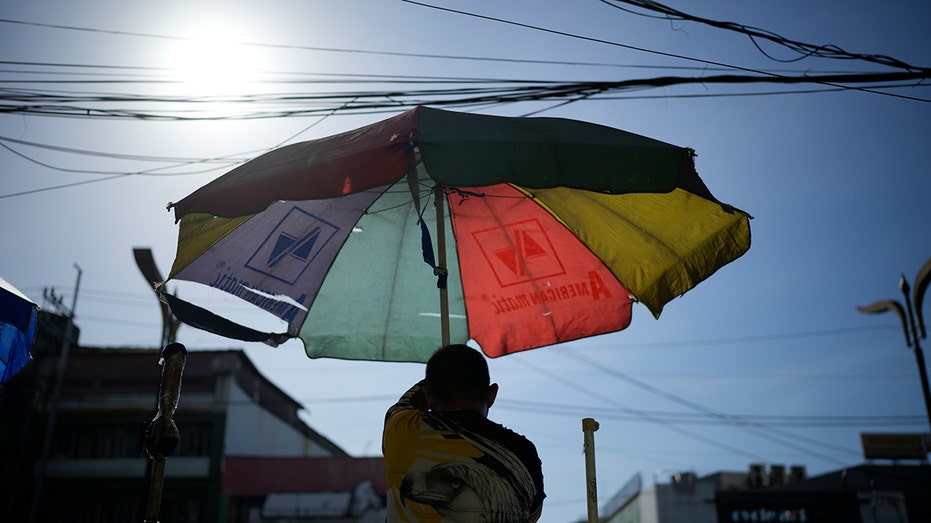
<point x="457" y="378"/>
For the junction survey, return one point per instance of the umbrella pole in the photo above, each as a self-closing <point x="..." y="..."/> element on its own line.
<point x="441" y="260"/>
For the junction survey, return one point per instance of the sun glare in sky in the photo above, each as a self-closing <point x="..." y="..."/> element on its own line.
<point x="214" y="61"/>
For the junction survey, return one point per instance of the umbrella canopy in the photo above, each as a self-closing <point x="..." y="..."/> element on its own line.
<point x="17" y="330"/>
<point x="555" y="227"/>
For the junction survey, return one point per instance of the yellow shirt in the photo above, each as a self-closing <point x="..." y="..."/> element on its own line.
<point x="457" y="466"/>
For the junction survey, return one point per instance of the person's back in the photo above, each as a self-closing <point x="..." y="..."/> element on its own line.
<point x="446" y="461"/>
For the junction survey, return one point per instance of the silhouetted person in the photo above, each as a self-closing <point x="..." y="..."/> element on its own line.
<point x="446" y="461"/>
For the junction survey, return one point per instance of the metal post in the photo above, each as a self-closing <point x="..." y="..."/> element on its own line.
<point x="589" y="426"/>
<point x="913" y="332"/>
<point x="441" y="261"/>
<point x="919" y="354"/>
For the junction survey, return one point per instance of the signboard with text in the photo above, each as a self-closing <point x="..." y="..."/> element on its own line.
<point x="895" y="446"/>
<point x="787" y="507"/>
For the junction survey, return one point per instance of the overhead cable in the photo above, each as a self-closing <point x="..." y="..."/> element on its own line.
<point x="803" y="49"/>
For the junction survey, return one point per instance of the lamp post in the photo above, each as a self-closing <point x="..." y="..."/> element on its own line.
<point x="913" y="331"/>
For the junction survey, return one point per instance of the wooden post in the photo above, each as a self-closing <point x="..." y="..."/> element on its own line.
<point x="589" y="426"/>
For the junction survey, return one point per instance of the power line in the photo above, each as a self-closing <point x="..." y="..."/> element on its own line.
<point x="581" y="37"/>
<point x="759" y="337"/>
<point x="645" y="416"/>
<point x="320" y="49"/>
<point x="108" y="177"/>
<point x="333" y="77"/>
<point x="228" y="159"/>
<point x="568" y="91"/>
<point x="821" y="90"/>
<point x="803" y="49"/>
<point x="779" y="437"/>
<point x="705" y="419"/>
<point x="771" y="376"/>
<point x="59" y="105"/>
<point x="570" y="410"/>
<point x="123" y="156"/>
<point x="924" y="72"/>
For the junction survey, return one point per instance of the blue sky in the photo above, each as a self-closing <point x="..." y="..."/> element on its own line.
<point x="756" y="364"/>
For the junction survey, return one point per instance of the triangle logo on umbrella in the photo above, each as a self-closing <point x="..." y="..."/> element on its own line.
<point x="525" y="247"/>
<point x="292" y="245"/>
<point x="519" y="252"/>
<point x="287" y="245"/>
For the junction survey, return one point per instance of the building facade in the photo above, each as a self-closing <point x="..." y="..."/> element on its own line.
<point x="233" y="424"/>
<point x="866" y="493"/>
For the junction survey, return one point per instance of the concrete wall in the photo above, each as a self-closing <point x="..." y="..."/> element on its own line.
<point x="648" y="509"/>
<point x="686" y="507"/>
<point x="630" y="513"/>
<point x="253" y="431"/>
<point x="662" y="503"/>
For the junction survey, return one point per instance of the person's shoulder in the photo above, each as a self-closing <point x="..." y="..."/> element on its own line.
<point x="403" y="420"/>
<point x="521" y="440"/>
<point x="513" y="433"/>
<point x="507" y="435"/>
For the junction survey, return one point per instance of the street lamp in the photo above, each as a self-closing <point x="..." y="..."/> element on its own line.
<point x="912" y="332"/>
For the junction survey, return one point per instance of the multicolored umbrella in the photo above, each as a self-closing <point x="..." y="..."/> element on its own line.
<point x="17" y="330"/>
<point x="556" y="226"/>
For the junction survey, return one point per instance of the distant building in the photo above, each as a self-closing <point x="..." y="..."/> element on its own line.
<point x="861" y="494"/>
<point x="320" y="490"/>
<point x="244" y="454"/>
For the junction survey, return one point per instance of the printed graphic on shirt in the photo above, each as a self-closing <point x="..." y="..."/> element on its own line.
<point x="439" y="470"/>
<point x="455" y="490"/>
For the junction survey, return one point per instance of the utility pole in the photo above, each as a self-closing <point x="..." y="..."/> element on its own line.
<point x="913" y="331"/>
<point x="53" y="404"/>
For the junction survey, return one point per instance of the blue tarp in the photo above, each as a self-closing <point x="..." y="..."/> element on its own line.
<point x="17" y="330"/>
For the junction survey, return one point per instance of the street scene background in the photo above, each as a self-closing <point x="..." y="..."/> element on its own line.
<point x="113" y="109"/>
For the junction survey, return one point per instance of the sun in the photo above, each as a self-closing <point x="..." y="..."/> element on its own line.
<point x="213" y="62"/>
